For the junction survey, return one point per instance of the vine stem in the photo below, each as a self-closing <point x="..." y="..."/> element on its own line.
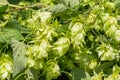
<point x="18" y="8"/>
<point x="11" y="5"/>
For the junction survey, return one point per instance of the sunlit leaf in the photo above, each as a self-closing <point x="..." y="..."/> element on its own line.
<point x="12" y="30"/>
<point x="7" y="35"/>
<point x="19" y="58"/>
<point x="71" y="3"/>
<point x="58" y="9"/>
<point x="117" y="4"/>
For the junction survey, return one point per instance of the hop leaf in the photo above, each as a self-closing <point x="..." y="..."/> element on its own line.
<point x="19" y="58"/>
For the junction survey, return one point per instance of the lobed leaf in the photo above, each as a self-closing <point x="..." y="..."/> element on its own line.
<point x="19" y="58"/>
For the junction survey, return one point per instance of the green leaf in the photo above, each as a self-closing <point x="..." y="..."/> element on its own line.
<point x="117" y="4"/>
<point x="13" y="24"/>
<point x="78" y="73"/>
<point x="13" y="1"/>
<point x="3" y="8"/>
<point x="65" y="2"/>
<point x="105" y="67"/>
<point x="7" y="35"/>
<point x="19" y="58"/>
<point x="12" y="30"/>
<point x="58" y="9"/>
<point x="74" y="3"/>
<point x="71" y="3"/>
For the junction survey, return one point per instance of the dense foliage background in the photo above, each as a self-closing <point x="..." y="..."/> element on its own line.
<point x="59" y="39"/>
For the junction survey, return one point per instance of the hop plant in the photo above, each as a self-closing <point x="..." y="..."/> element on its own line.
<point x="61" y="46"/>
<point x="107" y="52"/>
<point x="97" y="76"/>
<point x="77" y="34"/>
<point x="37" y="53"/>
<point x="110" y="24"/>
<point x="51" y="70"/>
<point x="110" y="5"/>
<point x="117" y="35"/>
<point x="6" y="67"/>
<point x="114" y="76"/>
